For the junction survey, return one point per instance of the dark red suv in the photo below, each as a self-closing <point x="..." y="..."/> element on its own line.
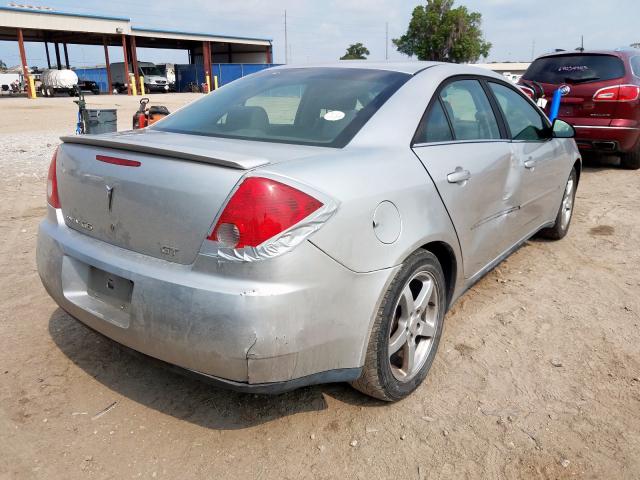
<point x="601" y="97"/>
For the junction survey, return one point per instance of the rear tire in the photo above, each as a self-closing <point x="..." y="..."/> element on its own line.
<point x="565" y="212"/>
<point x="631" y="160"/>
<point x="409" y="324"/>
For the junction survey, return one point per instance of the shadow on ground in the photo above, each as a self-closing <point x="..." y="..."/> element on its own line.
<point x="149" y="382"/>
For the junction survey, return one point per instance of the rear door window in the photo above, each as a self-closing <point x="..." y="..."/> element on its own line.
<point x="469" y="111"/>
<point x="575" y="69"/>
<point x="523" y="120"/>
<point x="435" y="127"/>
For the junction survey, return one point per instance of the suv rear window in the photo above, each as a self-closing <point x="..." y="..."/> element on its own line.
<point x="575" y="69"/>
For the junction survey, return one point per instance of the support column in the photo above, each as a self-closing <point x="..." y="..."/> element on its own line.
<point x="206" y="56"/>
<point x="134" y="61"/>
<point x="126" y="64"/>
<point x="31" y="91"/>
<point x="46" y="49"/>
<point x="57" y="45"/>
<point x="108" y="65"/>
<point x="66" y="56"/>
<point x="269" y="54"/>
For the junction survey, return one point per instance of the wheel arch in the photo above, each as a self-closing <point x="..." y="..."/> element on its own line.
<point x="578" y="166"/>
<point x="449" y="263"/>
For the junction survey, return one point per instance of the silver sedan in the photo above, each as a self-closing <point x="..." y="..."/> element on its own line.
<point x="304" y="225"/>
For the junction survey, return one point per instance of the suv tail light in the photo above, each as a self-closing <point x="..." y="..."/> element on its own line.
<point x="260" y="209"/>
<point x="52" y="183"/>
<point x="618" y="93"/>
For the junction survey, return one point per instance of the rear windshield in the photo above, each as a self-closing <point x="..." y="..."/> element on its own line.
<point x="575" y="69"/>
<point x="309" y="106"/>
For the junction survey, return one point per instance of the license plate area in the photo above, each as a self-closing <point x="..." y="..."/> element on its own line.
<point x="100" y="293"/>
<point x="109" y="288"/>
<point x="566" y="111"/>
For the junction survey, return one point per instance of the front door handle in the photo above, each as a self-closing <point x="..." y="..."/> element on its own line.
<point x="530" y="164"/>
<point x="459" y="175"/>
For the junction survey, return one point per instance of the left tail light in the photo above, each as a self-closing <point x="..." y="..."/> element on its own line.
<point x="259" y="210"/>
<point x="52" y="183"/>
<point x="528" y="91"/>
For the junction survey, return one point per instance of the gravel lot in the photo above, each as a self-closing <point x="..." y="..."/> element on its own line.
<point x="538" y="373"/>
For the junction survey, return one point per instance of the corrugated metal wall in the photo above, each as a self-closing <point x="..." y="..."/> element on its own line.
<point x="98" y="75"/>
<point x="226" y="72"/>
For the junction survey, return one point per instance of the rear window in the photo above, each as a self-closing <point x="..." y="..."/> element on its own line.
<point x="308" y="106"/>
<point x="575" y="69"/>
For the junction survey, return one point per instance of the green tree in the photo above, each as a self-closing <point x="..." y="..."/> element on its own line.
<point x="356" y="51"/>
<point x="635" y="45"/>
<point x="439" y="32"/>
<point x="3" y="66"/>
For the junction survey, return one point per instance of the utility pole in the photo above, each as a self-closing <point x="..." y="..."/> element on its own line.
<point x="386" y="41"/>
<point x="533" y="49"/>
<point x="286" y="43"/>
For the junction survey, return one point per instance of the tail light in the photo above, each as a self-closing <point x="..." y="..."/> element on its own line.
<point x="52" y="183"/>
<point x="618" y="93"/>
<point x="528" y="91"/>
<point x="260" y="209"/>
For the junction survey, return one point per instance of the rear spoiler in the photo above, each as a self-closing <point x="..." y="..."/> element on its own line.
<point x="130" y="143"/>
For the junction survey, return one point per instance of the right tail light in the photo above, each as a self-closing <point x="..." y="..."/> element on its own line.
<point x="261" y="209"/>
<point x="618" y="93"/>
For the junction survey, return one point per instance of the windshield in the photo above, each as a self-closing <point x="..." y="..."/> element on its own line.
<point x="151" y="70"/>
<point x="575" y="69"/>
<point x="310" y="106"/>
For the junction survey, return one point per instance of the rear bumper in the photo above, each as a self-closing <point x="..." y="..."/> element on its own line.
<point x="267" y="326"/>
<point x="602" y="138"/>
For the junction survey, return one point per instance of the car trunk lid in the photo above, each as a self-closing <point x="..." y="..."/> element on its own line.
<point x="156" y="194"/>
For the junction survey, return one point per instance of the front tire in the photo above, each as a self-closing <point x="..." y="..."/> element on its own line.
<point x="406" y="331"/>
<point x="565" y="212"/>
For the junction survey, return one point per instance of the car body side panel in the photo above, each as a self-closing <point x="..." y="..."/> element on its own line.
<point x="484" y="209"/>
<point x="544" y="182"/>
<point x="360" y="180"/>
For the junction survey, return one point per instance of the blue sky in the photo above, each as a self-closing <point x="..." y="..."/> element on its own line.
<point x="321" y="30"/>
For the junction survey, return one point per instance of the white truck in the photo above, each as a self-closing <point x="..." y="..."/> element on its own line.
<point x="154" y="80"/>
<point x="169" y="71"/>
<point x="58" y="81"/>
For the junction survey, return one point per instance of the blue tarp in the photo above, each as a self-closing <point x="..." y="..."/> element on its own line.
<point x="185" y="74"/>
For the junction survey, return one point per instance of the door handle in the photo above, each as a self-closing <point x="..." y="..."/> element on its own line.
<point x="459" y="175"/>
<point x="530" y="164"/>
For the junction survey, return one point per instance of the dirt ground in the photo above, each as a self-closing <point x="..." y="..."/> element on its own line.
<point x="537" y="376"/>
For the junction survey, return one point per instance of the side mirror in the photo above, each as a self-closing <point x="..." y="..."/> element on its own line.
<point x="561" y="129"/>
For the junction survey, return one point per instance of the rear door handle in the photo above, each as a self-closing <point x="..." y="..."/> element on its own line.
<point x="530" y="164"/>
<point x="459" y="175"/>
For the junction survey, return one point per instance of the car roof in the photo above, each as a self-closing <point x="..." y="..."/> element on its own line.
<point x="411" y="68"/>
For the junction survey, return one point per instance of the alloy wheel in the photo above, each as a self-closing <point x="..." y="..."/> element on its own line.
<point x="414" y="326"/>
